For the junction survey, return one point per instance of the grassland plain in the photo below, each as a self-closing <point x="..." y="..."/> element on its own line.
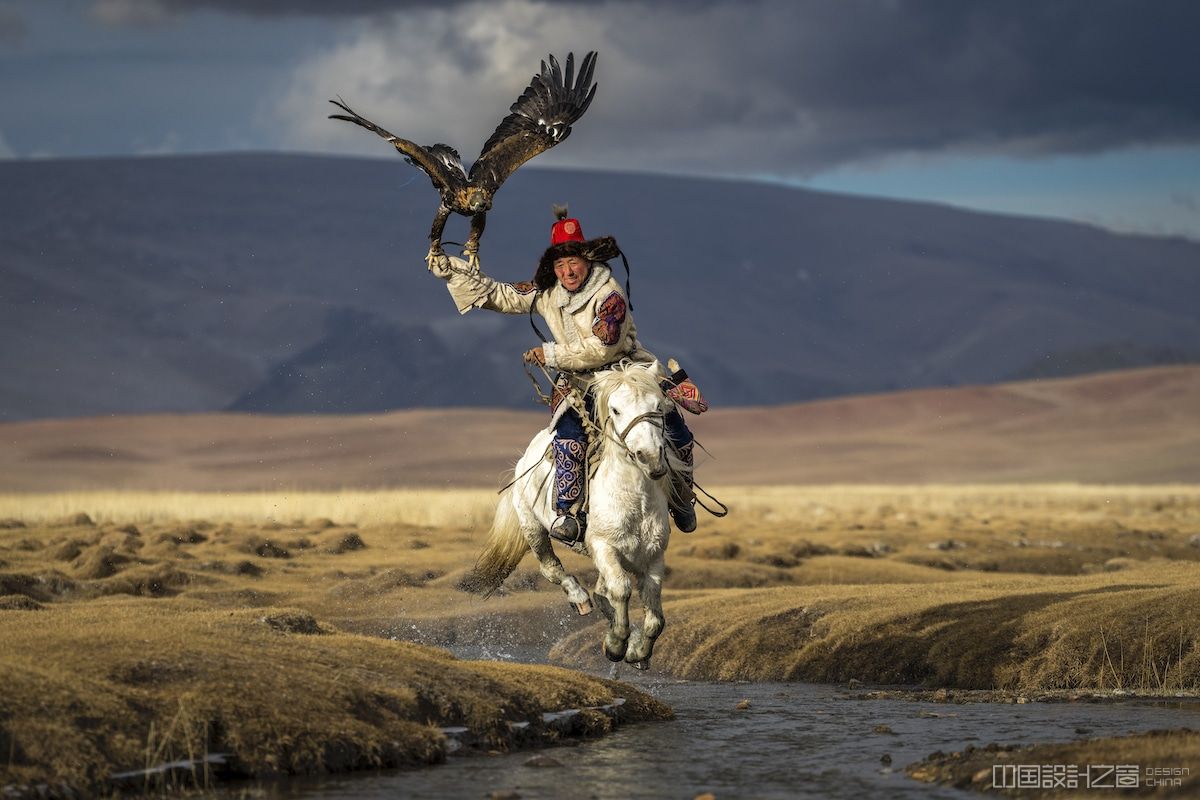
<point x="299" y="632"/>
<point x="1130" y="426"/>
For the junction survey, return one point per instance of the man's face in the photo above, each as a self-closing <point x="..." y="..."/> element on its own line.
<point x="571" y="272"/>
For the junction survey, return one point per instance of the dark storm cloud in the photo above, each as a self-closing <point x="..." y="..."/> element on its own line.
<point x="324" y="8"/>
<point x="855" y="79"/>
<point x="317" y="8"/>
<point x="788" y="86"/>
<point x="1038" y="77"/>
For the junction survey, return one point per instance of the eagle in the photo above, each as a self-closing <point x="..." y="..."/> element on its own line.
<point x="540" y="118"/>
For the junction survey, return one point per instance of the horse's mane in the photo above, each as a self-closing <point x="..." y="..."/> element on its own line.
<point x="639" y="376"/>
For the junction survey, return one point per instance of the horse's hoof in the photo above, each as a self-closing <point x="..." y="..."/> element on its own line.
<point x="610" y="655"/>
<point x="583" y="608"/>
<point x="643" y="665"/>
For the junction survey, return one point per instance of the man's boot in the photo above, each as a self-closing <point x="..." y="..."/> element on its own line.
<point x="569" y="456"/>
<point x="566" y="528"/>
<point x="683" y="498"/>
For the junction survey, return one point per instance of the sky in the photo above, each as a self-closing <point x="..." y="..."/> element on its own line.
<point x="1077" y="109"/>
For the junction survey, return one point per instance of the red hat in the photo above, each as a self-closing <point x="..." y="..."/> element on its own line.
<point x="565" y="229"/>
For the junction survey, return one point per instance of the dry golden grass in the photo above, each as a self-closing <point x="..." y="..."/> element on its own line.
<point x="128" y="645"/>
<point x="1025" y="588"/>
<point x="472" y="508"/>
<point x="1132" y="630"/>
<point x="232" y="622"/>
<point x="433" y="507"/>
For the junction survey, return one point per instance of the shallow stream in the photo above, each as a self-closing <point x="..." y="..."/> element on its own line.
<point x="793" y="740"/>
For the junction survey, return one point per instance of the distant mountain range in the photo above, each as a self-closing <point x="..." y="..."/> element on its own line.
<point x="282" y="283"/>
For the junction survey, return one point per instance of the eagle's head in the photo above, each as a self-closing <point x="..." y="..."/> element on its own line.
<point x="478" y="200"/>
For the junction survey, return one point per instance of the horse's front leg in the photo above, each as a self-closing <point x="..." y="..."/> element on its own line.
<point x="552" y="569"/>
<point x="641" y="643"/>
<point x="615" y="599"/>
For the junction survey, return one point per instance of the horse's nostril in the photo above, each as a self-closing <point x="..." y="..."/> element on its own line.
<point x="642" y="458"/>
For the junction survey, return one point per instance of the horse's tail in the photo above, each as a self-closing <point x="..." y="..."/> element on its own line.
<point x="503" y="550"/>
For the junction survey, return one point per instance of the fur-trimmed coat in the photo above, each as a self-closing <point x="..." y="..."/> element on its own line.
<point x="592" y="327"/>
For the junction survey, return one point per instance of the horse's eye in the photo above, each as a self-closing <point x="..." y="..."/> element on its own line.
<point x="616" y="412"/>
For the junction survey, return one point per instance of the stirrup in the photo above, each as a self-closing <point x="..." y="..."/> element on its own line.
<point x="567" y="529"/>
<point x="684" y="515"/>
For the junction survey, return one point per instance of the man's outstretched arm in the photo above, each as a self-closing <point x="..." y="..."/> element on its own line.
<point x="471" y="288"/>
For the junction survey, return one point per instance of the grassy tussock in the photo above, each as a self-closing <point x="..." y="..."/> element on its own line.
<point x="1129" y="631"/>
<point x="1028" y="588"/>
<point x="129" y="645"/>
<point x="133" y="685"/>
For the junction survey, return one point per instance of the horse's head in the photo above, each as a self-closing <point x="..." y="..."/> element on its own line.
<point x="631" y="403"/>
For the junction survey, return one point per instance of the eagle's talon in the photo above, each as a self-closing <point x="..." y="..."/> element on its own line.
<point x="472" y="259"/>
<point x="436" y="260"/>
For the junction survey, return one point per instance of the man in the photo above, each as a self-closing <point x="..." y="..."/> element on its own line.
<point x="589" y="320"/>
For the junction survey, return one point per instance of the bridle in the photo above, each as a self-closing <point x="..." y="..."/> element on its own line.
<point x="658" y="420"/>
<point x="655" y="418"/>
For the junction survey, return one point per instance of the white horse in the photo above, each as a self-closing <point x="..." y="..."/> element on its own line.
<point x="627" y="521"/>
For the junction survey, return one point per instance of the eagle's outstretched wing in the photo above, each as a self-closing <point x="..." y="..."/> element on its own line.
<point x="540" y="118"/>
<point x="440" y="162"/>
